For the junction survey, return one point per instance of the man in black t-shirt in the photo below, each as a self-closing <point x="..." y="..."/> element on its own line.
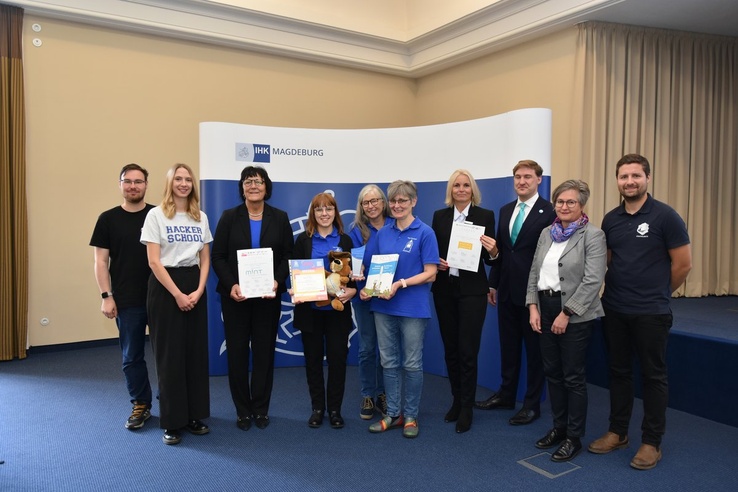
<point x="122" y="272"/>
<point x="649" y="257"/>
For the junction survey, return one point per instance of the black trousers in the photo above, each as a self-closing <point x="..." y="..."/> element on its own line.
<point x="329" y="338"/>
<point x="628" y="335"/>
<point x="180" y="342"/>
<point x="460" y="320"/>
<point x="251" y="333"/>
<point x="514" y="326"/>
<point x="565" y="365"/>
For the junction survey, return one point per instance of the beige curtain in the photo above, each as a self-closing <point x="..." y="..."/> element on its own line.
<point x="673" y="97"/>
<point x="13" y="215"/>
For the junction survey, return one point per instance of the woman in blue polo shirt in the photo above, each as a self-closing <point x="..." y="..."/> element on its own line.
<point x="325" y="331"/>
<point x="402" y="315"/>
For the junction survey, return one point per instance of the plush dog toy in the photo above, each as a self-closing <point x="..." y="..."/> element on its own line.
<point x="340" y="265"/>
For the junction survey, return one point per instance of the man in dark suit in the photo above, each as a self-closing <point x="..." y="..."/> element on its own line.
<point x="521" y="222"/>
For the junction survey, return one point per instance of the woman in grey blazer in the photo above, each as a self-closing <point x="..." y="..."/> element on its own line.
<point x="563" y="299"/>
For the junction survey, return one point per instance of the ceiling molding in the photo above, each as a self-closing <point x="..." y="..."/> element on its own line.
<point x="500" y="25"/>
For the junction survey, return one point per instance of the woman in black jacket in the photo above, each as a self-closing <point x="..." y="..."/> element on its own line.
<point x="254" y="321"/>
<point x="323" y="326"/>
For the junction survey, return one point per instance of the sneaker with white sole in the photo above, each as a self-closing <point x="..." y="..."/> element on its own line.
<point x="367" y="408"/>
<point x="141" y="413"/>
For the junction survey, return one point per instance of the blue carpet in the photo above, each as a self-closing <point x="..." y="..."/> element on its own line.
<point x="61" y="429"/>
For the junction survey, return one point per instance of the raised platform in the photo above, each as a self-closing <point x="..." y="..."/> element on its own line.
<point x="702" y="356"/>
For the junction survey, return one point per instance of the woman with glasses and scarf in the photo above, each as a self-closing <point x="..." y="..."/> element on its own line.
<point x="563" y="300"/>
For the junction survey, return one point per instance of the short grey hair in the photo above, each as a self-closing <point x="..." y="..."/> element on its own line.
<point x="572" y="184"/>
<point x="404" y="188"/>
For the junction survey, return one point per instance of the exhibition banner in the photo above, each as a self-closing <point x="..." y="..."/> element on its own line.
<point x="303" y="162"/>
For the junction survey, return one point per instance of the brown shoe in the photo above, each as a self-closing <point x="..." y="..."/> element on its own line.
<point x="609" y="442"/>
<point x="646" y="457"/>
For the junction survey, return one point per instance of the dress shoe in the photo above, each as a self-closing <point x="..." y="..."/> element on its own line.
<point x="463" y="424"/>
<point x="495" y="401"/>
<point x="554" y="437"/>
<point x="244" y="423"/>
<point x="197" y="427"/>
<point x="568" y="449"/>
<point x="171" y="436"/>
<point x="609" y="442"/>
<point x="453" y="413"/>
<point x="316" y="419"/>
<point x="261" y="421"/>
<point x="335" y="419"/>
<point x="646" y="458"/>
<point x="524" y="417"/>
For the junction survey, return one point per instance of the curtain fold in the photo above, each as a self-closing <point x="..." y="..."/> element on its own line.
<point x="673" y="97"/>
<point x="13" y="211"/>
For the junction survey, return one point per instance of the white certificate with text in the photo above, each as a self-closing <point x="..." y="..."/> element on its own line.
<point x="464" y="247"/>
<point x="256" y="272"/>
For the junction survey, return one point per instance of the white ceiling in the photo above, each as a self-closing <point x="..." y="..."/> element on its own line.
<point x="410" y="38"/>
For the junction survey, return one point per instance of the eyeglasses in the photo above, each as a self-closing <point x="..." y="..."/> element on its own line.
<point x="321" y="210"/>
<point x="373" y="202"/>
<point x="252" y="182"/>
<point x="129" y="182"/>
<point x="399" y="201"/>
<point x="569" y="203"/>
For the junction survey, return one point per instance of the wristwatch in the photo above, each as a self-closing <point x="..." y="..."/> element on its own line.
<point x="568" y="312"/>
<point x="105" y="295"/>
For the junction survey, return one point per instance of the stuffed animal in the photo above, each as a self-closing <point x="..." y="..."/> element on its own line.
<point x="340" y="265"/>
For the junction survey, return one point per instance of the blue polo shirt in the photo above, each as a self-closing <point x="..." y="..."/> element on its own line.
<point x="355" y="235"/>
<point x="417" y="247"/>
<point x="321" y="247"/>
<point x="638" y="278"/>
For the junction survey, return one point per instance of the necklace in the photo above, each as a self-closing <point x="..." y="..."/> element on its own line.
<point x="256" y="215"/>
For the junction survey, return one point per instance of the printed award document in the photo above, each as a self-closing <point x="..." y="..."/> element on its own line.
<point x="381" y="274"/>
<point x="464" y="247"/>
<point x="357" y="257"/>
<point x="256" y="272"/>
<point x="308" y="280"/>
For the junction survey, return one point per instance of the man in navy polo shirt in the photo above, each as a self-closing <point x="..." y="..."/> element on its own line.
<point x="649" y="257"/>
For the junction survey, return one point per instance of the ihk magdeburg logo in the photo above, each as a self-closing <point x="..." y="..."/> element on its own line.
<point x="247" y="152"/>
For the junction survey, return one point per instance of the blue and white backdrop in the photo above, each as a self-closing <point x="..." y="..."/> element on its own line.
<point x="302" y="162"/>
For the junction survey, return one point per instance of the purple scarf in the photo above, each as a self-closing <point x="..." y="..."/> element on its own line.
<point x="559" y="234"/>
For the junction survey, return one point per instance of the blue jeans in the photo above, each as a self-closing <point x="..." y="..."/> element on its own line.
<point x="370" y="366"/>
<point x="400" y="342"/>
<point x="132" y="330"/>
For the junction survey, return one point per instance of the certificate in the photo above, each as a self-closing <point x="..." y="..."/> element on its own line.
<point x="256" y="272"/>
<point x="465" y="247"/>
<point x="381" y="274"/>
<point x="308" y="280"/>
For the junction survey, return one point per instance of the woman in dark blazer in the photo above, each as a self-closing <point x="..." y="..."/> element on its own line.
<point x="325" y="331"/>
<point x="563" y="300"/>
<point x="460" y="296"/>
<point x="252" y="224"/>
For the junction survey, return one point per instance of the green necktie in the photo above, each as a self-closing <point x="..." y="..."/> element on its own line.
<point x="518" y="224"/>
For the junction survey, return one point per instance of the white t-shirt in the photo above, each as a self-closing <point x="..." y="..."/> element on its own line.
<point x="180" y="238"/>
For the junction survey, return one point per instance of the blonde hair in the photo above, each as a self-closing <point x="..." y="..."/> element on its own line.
<point x="476" y="197"/>
<point x="193" y="200"/>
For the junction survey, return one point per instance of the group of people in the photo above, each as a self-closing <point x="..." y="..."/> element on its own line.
<point x="547" y="264"/>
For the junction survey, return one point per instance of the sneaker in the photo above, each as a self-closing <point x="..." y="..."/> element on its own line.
<point x="410" y="430"/>
<point x="367" y="408"/>
<point x="386" y="423"/>
<point x="140" y="414"/>
<point x="381" y="404"/>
